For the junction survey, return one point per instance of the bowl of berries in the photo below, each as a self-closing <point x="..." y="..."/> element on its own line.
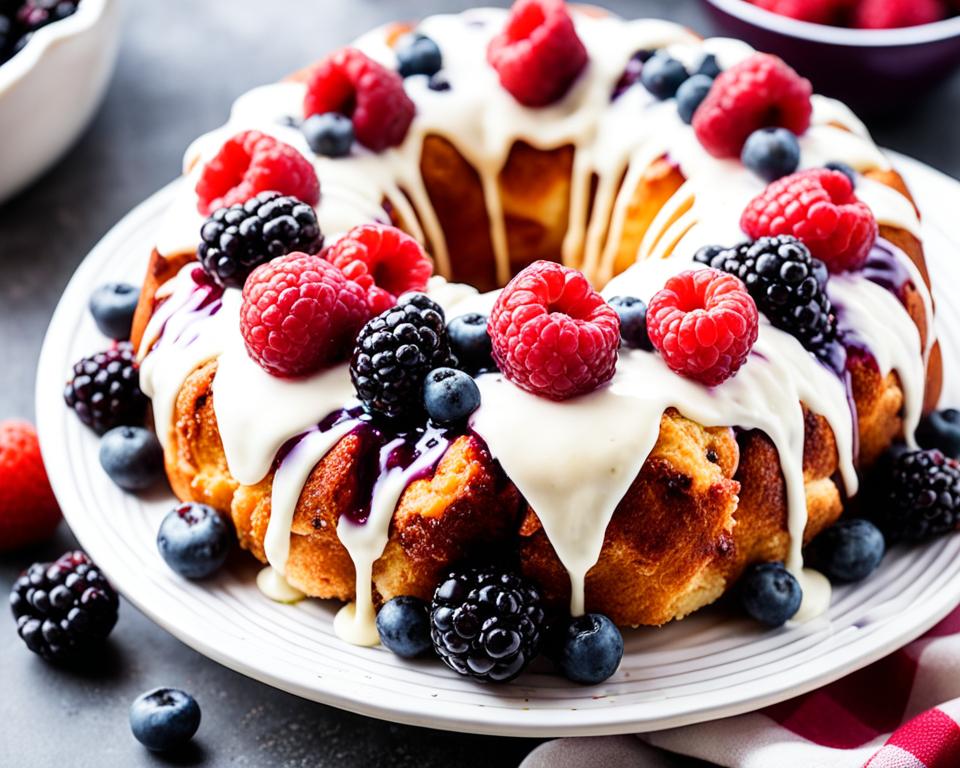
<point x="56" y="57"/>
<point x="908" y="45"/>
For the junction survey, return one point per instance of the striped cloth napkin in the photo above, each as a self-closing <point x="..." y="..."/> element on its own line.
<point x="900" y="712"/>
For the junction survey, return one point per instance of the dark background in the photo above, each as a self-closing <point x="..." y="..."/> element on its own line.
<point x="181" y="65"/>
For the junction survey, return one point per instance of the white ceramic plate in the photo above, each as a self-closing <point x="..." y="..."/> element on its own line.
<point x="708" y="666"/>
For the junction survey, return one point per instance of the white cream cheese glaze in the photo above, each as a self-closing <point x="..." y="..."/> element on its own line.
<point x="573" y="485"/>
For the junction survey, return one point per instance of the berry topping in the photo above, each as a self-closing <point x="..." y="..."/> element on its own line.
<point x="112" y="306"/>
<point x="300" y="314"/>
<point x="662" y="75"/>
<point x="329" y="134"/>
<point x="105" y="389"/>
<point x="817" y="206"/>
<point x="759" y="92"/>
<point x="922" y="498"/>
<point x="552" y="333"/>
<point x="538" y="55"/>
<point x="34" y="14"/>
<point x="893" y="14"/>
<point x="395" y="351"/>
<point x="237" y="239"/>
<point x="709" y="66"/>
<point x="28" y="510"/>
<point x="633" y="322"/>
<point x="704" y="324"/>
<point x="439" y="82"/>
<point x="164" y="719"/>
<point x="770" y="593"/>
<point x="470" y="343"/>
<point x="350" y="83"/>
<point x="486" y="623"/>
<point x="64" y="609"/>
<point x="843" y="168"/>
<point x="813" y="11"/>
<point x="771" y="153"/>
<point x="787" y="284"/>
<point x="194" y="540"/>
<point x="403" y="624"/>
<point x="691" y="94"/>
<point x="418" y="55"/>
<point x="252" y="162"/>
<point x="631" y="73"/>
<point x="849" y="551"/>
<point x="941" y="430"/>
<point x="132" y="457"/>
<point x="384" y="261"/>
<point x="449" y="395"/>
<point x="590" y="649"/>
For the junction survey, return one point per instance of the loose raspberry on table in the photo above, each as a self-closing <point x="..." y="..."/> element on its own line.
<point x="704" y="324"/>
<point x="252" y="162"/>
<point x="893" y="14"/>
<point x="759" y="92"/>
<point x="552" y="333"/>
<point x="350" y="83"/>
<point x="817" y="206"/>
<point x="384" y="261"/>
<point x="538" y="55"/>
<point x="814" y="11"/>
<point x="28" y="508"/>
<point x="299" y="314"/>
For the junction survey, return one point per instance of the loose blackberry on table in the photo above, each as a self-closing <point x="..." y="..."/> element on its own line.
<point x="104" y="390"/>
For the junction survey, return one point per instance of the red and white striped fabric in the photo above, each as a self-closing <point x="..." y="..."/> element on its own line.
<point x="901" y="712"/>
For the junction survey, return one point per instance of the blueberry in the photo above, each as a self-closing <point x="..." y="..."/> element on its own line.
<point x="590" y="648"/>
<point x="132" y="457"/>
<point x="418" y="55"/>
<point x="470" y="342"/>
<point x="849" y="551"/>
<point x="771" y="153"/>
<point x="941" y="430"/>
<point x="663" y="75"/>
<point x="691" y="94"/>
<point x="404" y="626"/>
<point x="450" y="395"/>
<point x="438" y="82"/>
<point x="329" y="134"/>
<point x="708" y="66"/>
<point x="194" y="540"/>
<point x="164" y="719"/>
<point x="845" y="169"/>
<point x="633" y="321"/>
<point x="112" y="306"/>
<point x="770" y="593"/>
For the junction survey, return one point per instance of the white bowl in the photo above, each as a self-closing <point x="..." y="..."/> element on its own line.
<point x="50" y="90"/>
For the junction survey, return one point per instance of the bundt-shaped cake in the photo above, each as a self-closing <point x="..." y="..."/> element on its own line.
<point x="558" y="135"/>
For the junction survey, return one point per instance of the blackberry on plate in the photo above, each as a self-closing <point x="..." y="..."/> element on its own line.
<point x="105" y="389"/>
<point x="486" y="623"/>
<point x="470" y="342"/>
<point x="786" y="282"/>
<point x="941" y="430"/>
<point x="65" y="608"/>
<point x="237" y="239"/>
<point x="34" y="14"/>
<point x="395" y="351"/>
<point x="921" y="498"/>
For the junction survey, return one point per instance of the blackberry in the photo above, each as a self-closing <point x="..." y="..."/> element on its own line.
<point x="105" y="389"/>
<point x="788" y="284"/>
<point x="486" y="623"/>
<point x="63" y="609"/>
<point x="7" y="34"/>
<point x="34" y="14"/>
<point x="921" y="498"/>
<point x="236" y="240"/>
<point x="395" y="351"/>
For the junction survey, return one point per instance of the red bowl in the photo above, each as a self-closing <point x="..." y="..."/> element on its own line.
<point x="872" y="70"/>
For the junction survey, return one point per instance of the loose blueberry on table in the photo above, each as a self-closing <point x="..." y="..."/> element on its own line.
<point x="164" y="719"/>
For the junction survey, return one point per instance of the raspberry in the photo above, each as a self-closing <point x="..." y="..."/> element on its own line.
<point x="819" y="207"/>
<point x="105" y="389"/>
<point x="538" y="55"/>
<point x="299" y="314"/>
<point x="350" y="83"/>
<point x="704" y="324"/>
<point x="814" y="11"/>
<point x="251" y="162"/>
<point x="382" y="260"/>
<point x="759" y="92"/>
<point x="28" y="509"/>
<point x="892" y="14"/>
<point x="552" y="334"/>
